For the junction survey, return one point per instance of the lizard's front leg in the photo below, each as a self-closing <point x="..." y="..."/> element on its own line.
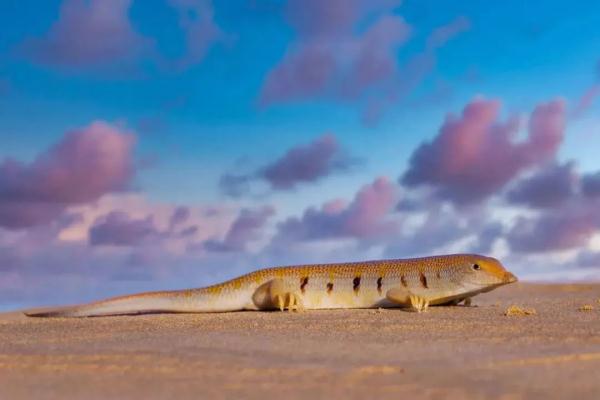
<point x="407" y="299"/>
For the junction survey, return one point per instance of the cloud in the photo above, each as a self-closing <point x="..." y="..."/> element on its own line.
<point x="120" y="243"/>
<point x="588" y="259"/>
<point x="348" y="51"/>
<point x="314" y="18"/>
<point x="587" y="100"/>
<point x="487" y="236"/>
<point x="330" y="56"/>
<point x="301" y="164"/>
<point x="235" y="185"/>
<point x="441" y="35"/>
<point x="89" y="34"/>
<point x="180" y="215"/>
<point x="475" y="155"/>
<point x="246" y="228"/>
<point x="196" y="19"/>
<point x="554" y="230"/>
<point x="591" y="184"/>
<point x="439" y="228"/>
<point x="8" y="259"/>
<point x="119" y="229"/>
<point x="98" y="35"/>
<point x="306" y="163"/>
<point x="177" y="225"/>
<point x="86" y="164"/>
<point x="366" y="217"/>
<point x="551" y="186"/>
<point x="568" y="210"/>
<point x="435" y="228"/>
<point x="416" y="69"/>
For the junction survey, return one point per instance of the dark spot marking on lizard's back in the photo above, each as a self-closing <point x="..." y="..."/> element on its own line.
<point x="303" y="283"/>
<point x="379" y="284"/>
<point x="438" y="275"/>
<point x="329" y="287"/>
<point x="356" y="284"/>
<point x="423" y="279"/>
<point x="403" y="280"/>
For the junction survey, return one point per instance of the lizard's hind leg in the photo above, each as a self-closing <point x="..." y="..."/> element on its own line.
<point x="275" y="295"/>
<point x="418" y="303"/>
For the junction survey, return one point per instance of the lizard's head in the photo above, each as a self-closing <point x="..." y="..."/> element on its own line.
<point x="485" y="273"/>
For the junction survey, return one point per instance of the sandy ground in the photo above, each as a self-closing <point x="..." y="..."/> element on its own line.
<point x="448" y="352"/>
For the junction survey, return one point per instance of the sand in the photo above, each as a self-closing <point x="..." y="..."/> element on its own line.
<point x="449" y="352"/>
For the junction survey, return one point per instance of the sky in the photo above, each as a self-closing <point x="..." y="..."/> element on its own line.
<point x="165" y="144"/>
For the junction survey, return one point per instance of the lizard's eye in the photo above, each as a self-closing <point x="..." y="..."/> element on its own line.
<point x="476" y="267"/>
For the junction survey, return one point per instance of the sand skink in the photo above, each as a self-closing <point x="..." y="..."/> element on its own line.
<point x="414" y="283"/>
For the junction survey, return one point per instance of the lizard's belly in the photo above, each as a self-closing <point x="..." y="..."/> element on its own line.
<point x="356" y="291"/>
<point x="344" y="294"/>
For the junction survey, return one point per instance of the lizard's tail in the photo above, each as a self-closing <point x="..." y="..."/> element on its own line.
<point x="143" y="303"/>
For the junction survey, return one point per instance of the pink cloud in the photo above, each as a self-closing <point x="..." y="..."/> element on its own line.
<point x="179" y="216"/>
<point x="177" y="226"/>
<point x="551" y="186"/>
<point x="416" y="69"/>
<point x="86" y="164"/>
<point x="474" y="155"/>
<point x="301" y="164"/>
<point x="196" y="20"/>
<point x="587" y="100"/>
<point x="235" y="185"/>
<point x="306" y="163"/>
<point x="111" y="245"/>
<point x="591" y="184"/>
<point x="246" y="228"/>
<point x="98" y="34"/>
<point x="330" y="56"/>
<point x="374" y="59"/>
<point x="365" y="217"/>
<point x="438" y="229"/>
<point x="555" y="230"/>
<point x="89" y="33"/>
<point x="588" y="259"/>
<point x="315" y="18"/>
<point x="348" y="51"/>
<point x="441" y="35"/>
<point x="303" y="73"/>
<point x="119" y="229"/>
<point x="568" y="210"/>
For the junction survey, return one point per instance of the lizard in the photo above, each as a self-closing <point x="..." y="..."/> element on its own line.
<point x="414" y="283"/>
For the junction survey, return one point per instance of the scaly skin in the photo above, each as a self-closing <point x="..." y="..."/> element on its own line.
<point x="414" y="283"/>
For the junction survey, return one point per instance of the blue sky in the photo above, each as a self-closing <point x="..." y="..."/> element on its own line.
<point x="188" y="80"/>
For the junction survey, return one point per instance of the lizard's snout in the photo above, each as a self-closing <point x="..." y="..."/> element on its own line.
<point x="509" y="277"/>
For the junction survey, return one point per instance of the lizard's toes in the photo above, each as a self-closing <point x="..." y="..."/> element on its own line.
<point x="279" y="301"/>
<point x="418" y="303"/>
<point x="294" y="303"/>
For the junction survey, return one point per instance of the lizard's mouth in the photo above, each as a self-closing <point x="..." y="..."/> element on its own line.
<point x="509" y="277"/>
<point x="484" y="288"/>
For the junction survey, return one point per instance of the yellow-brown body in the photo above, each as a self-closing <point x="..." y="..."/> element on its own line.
<point x="416" y="283"/>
